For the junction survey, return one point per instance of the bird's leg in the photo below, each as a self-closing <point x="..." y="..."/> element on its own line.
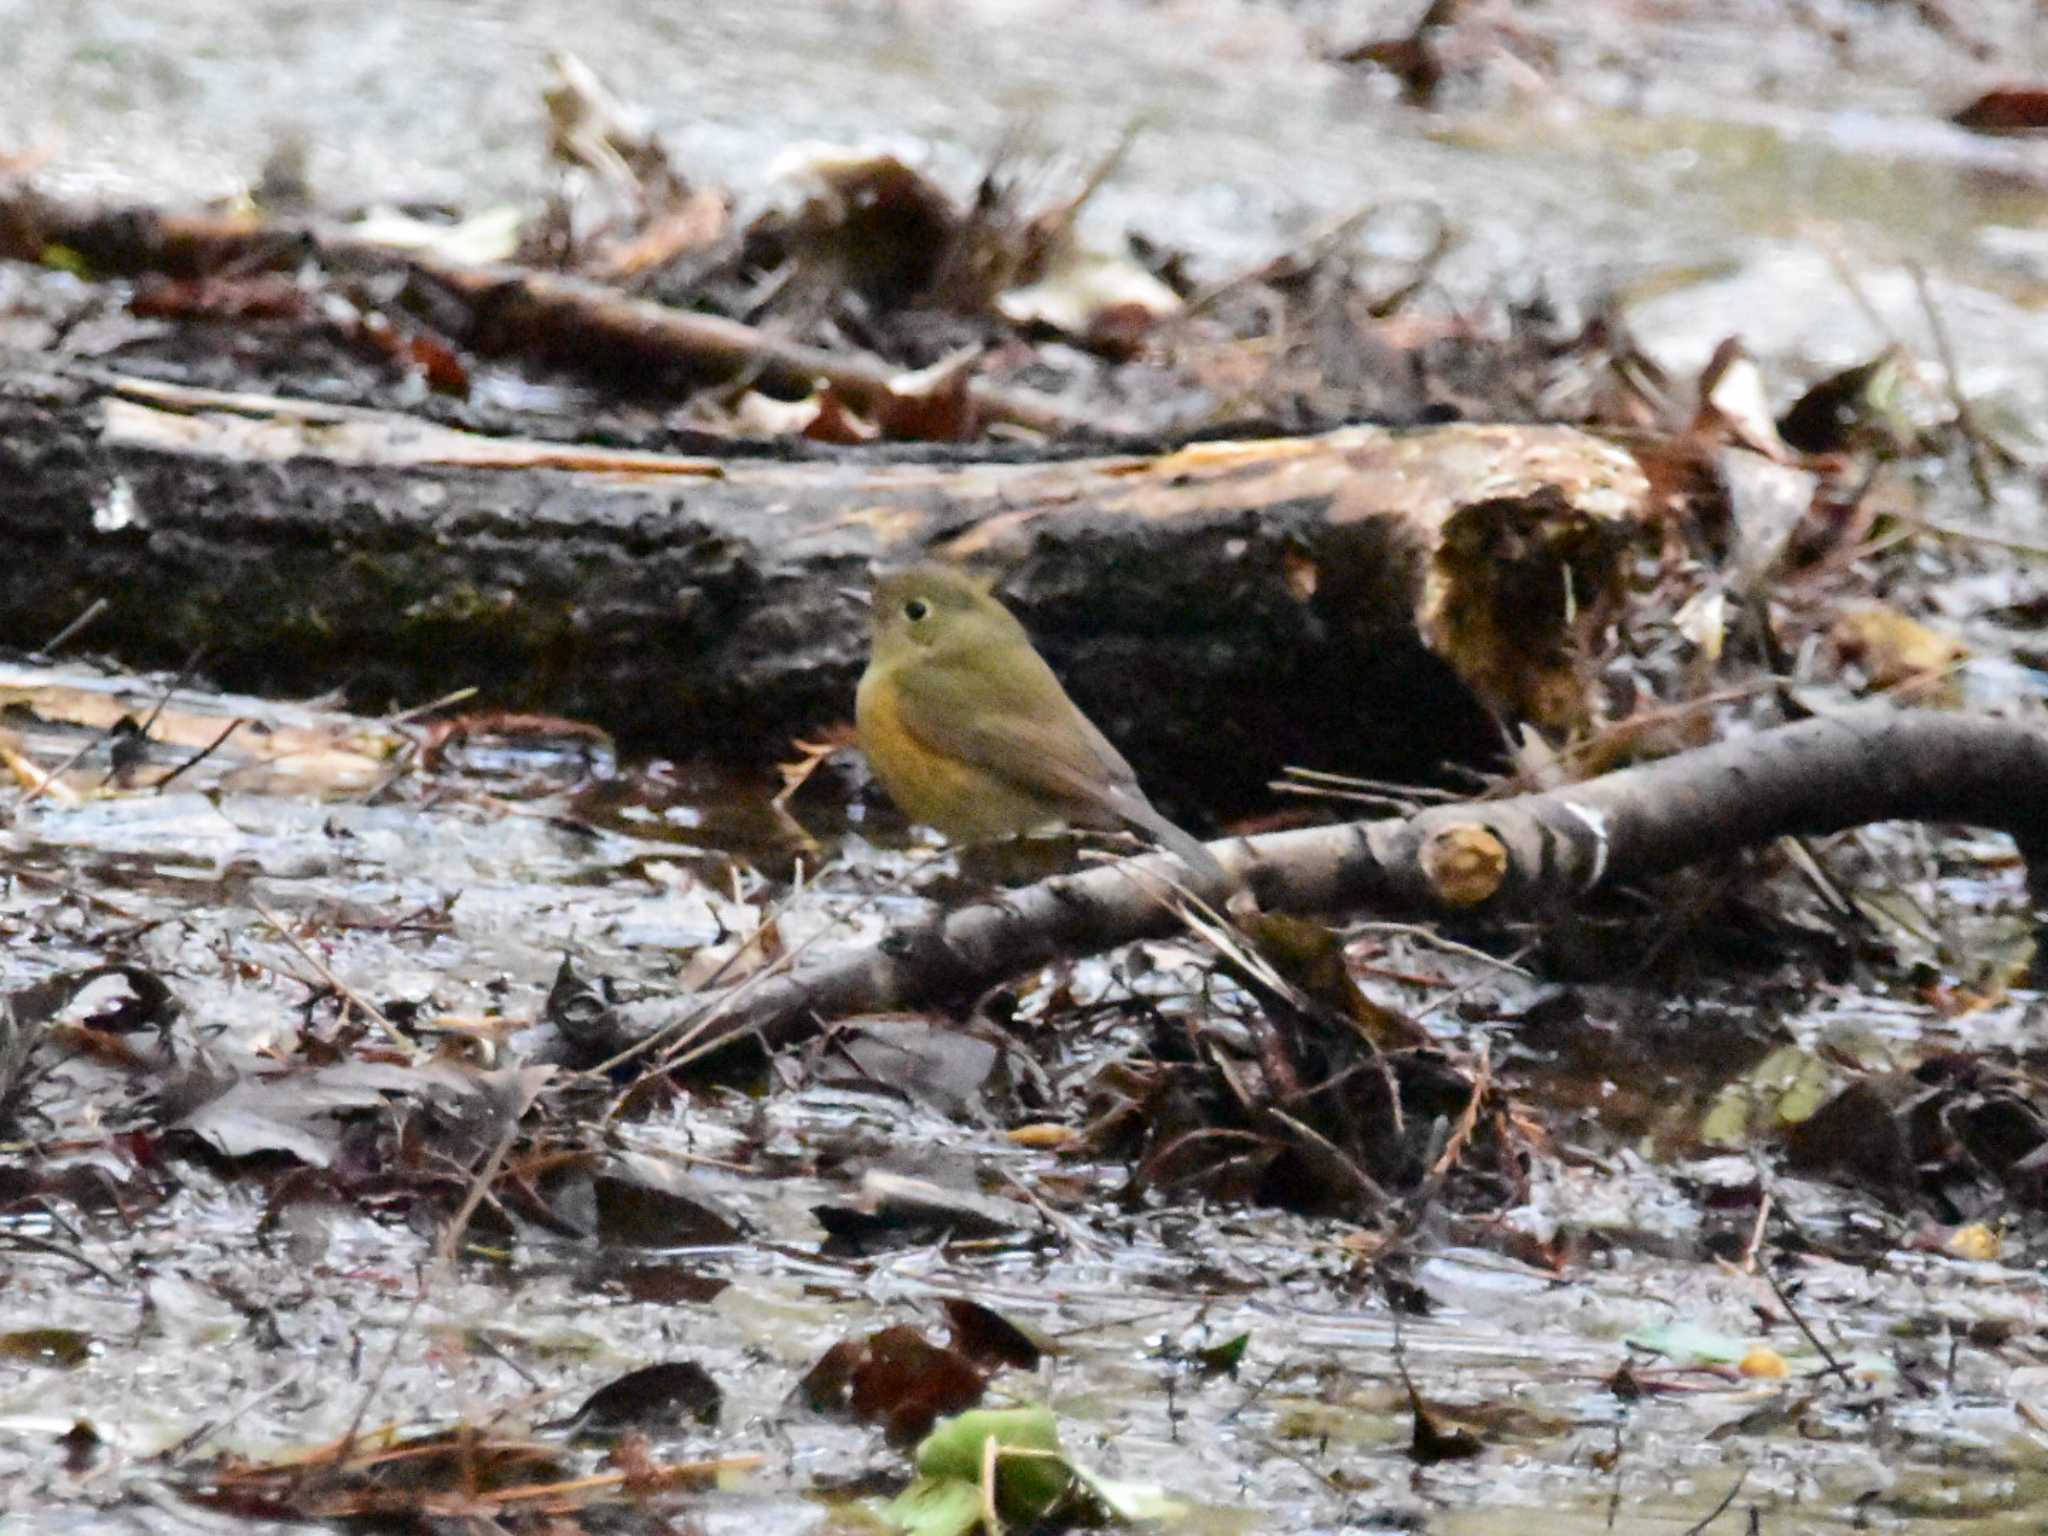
<point x="1021" y="860"/>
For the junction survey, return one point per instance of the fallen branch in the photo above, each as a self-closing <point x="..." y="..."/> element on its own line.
<point x="1531" y="853"/>
<point x="511" y="311"/>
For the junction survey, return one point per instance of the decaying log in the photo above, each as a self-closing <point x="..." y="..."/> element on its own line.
<point x="1534" y="853"/>
<point x="1360" y="599"/>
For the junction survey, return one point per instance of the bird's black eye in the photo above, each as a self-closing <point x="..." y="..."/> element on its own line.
<point x="916" y="609"/>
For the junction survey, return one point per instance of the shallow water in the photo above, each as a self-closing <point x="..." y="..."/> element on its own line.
<point x="260" y="1328"/>
<point x="1645" y="148"/>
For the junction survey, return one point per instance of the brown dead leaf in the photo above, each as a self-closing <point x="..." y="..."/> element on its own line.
<point x="1438" y="1439"/>
<point x="935" y="404"/>
<point x="261" y="296"/>
<point x="989" y="1339"/>
<point x="822" y="417"/>
<point x="1106" y="301"/>
<point x="895" y="1378"/>
<point x="2007" y="109"/>
<point x="701" y="221"/>
<point x="1311" y="955"/>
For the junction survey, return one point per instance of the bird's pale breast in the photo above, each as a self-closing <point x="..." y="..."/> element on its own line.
<point x="960" y="798"/>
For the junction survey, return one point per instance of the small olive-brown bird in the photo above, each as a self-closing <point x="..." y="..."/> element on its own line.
<point x="970" y="732"/>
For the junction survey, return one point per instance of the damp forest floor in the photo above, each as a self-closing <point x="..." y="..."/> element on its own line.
<point x="310" y="1220"/>
<point x="283" y="1013"/>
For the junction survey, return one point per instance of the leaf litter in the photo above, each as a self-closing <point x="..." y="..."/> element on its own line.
<point x="285" y="1072"/>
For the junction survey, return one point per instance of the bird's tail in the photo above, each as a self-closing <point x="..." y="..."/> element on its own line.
<point x="1190" y="850"/>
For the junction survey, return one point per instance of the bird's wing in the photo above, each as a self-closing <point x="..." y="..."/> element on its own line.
<point x="1019" y="727"/>
<point x="962" y="714"/>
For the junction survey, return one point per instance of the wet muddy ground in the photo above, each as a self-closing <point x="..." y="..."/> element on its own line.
<point x="1597" y="1336"/>
<point x="1669" y="1322"/>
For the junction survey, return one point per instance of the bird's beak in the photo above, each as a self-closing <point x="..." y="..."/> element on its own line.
<point x="858" y="595"/>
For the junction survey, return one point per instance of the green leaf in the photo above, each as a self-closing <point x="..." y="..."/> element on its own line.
<point x="945" y="1500"/>
<point x="1225" y="1356"/>
<point x="953" y="1448"/>
<point x="1131" y="1502"/>
<point x="936" y="1506"/>
<point x="1026" y="1486"/>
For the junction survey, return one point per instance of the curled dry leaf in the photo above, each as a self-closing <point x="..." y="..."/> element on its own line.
<point x="872" y="221"/>
<point x="988" y="1338"/>
<point x="821" y="417"/>
<point x="248" y="1113"/>
<point x="1107" y="301"/>
<point x="935" y="404"/>
<point x="1734" y="405"/>
<point x="1856" y="408"/>
<point x="593" y="130"/>
<point x="703" y="220"/>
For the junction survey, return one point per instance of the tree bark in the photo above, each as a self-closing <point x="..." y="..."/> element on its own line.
<point x="1493" y="859"/>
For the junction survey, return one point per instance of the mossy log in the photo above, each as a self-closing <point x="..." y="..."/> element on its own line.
<point x="1368" y="599"/>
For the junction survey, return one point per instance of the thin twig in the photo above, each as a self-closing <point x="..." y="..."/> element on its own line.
<point x="686" y="1029"/>
<point x="56" y="642"/>
<point x="345" y="1446"/>
<point x="1336" y="1154"/>
<point x="1466" y="1123"/>
<point x="1721" y="1508"/>
<point x="687" y="1032"/>
<point x="178" y="1452"/>
<point x="1330" y="1484"/>
<point x="1756" y="1232"/>
<point x="1436" y="940"/>
<point x="990" y="1521"/>
<point x="184" y="676"/>
<point x="48" y="782"/>
<point x="355" y="998"/>
<point x="408" y="757"/>
<point x="479" y="1184"/>
<point x="1311" y="249"/>
<point x="457" y="697"/>
<point x="1391" y="789"/>
<point x="1838" y="262"/>
<point x="1969" y="535"/>
<point x="44" y="1245"/>
<point x="1439" y="1004"/>
<point x="201" y="755"/>
<point x="1812" y="1338"/>
<point x="1966" y="420"/>
<point x="78" y="894"/>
